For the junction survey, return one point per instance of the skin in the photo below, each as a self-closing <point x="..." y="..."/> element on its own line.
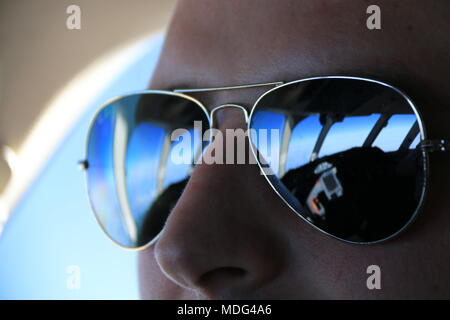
<point x="230" y="236"/>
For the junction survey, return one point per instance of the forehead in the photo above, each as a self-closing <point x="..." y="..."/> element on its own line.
<point x="219" y="43"/>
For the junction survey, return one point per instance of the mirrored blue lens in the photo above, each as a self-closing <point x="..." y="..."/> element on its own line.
<point x="135" y="170"/>
<point x="344" y="154"/>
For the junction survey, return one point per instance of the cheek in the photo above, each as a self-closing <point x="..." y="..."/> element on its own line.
<point x="415" y="265"/>
<point x="154" y="285"/>
<point x="340" y="270"/>
<point x="334" y="270"/>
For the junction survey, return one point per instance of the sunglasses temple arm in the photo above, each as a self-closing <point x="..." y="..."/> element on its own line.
<point x="83" y="165"/>
<point x="439" y="145"/>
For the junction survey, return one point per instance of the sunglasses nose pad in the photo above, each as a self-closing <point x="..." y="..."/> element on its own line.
<point x="218" y="114"/>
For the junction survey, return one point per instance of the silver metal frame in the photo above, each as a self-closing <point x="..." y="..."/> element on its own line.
<point x="427" y="146"/>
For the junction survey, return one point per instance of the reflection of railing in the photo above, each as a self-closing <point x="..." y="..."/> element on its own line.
<point x="285" y="139"/>
<point x="163" y="162"/>
<point x="410" y="136"/>
<point x="329" y="122"/>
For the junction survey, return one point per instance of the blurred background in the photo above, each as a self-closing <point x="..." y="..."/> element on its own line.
<point x="52" y="81"/>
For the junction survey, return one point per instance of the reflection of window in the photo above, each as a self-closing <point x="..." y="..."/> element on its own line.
<point x="175" y="171"/>
<point x="347" y="134"/>
<point x="152" y="165"/>
<point x="269" y="130"/>
<point x="143" y="164"/>
<point x="392" y="136"/>
<point x="303" y="139"/>
<point x="294" y="146"/>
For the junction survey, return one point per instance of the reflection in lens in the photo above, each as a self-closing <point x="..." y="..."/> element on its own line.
<point x="133" y="180"/>
<point x="348" y="159"/>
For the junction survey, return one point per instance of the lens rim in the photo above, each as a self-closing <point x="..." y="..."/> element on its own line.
<point x="87" y="144"/>
<point x="423" y="136"/>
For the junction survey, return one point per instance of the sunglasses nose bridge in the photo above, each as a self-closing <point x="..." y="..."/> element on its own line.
<point x="228" y="105"/>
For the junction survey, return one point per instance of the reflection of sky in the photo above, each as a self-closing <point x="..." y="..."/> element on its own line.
<point x="53" y="227"/>
<point x="415" y="142"/>
<point x="303" y="138"/>
<point x="267" y="127"/>
<point x="344" y="135"/>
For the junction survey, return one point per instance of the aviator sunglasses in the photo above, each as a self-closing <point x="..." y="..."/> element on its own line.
<point x="352" y="156"/>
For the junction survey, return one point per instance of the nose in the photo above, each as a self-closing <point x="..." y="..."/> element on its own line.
<point x="220" y="238"/>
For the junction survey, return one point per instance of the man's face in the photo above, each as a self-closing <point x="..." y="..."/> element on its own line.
<point x="230" y="235"/>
